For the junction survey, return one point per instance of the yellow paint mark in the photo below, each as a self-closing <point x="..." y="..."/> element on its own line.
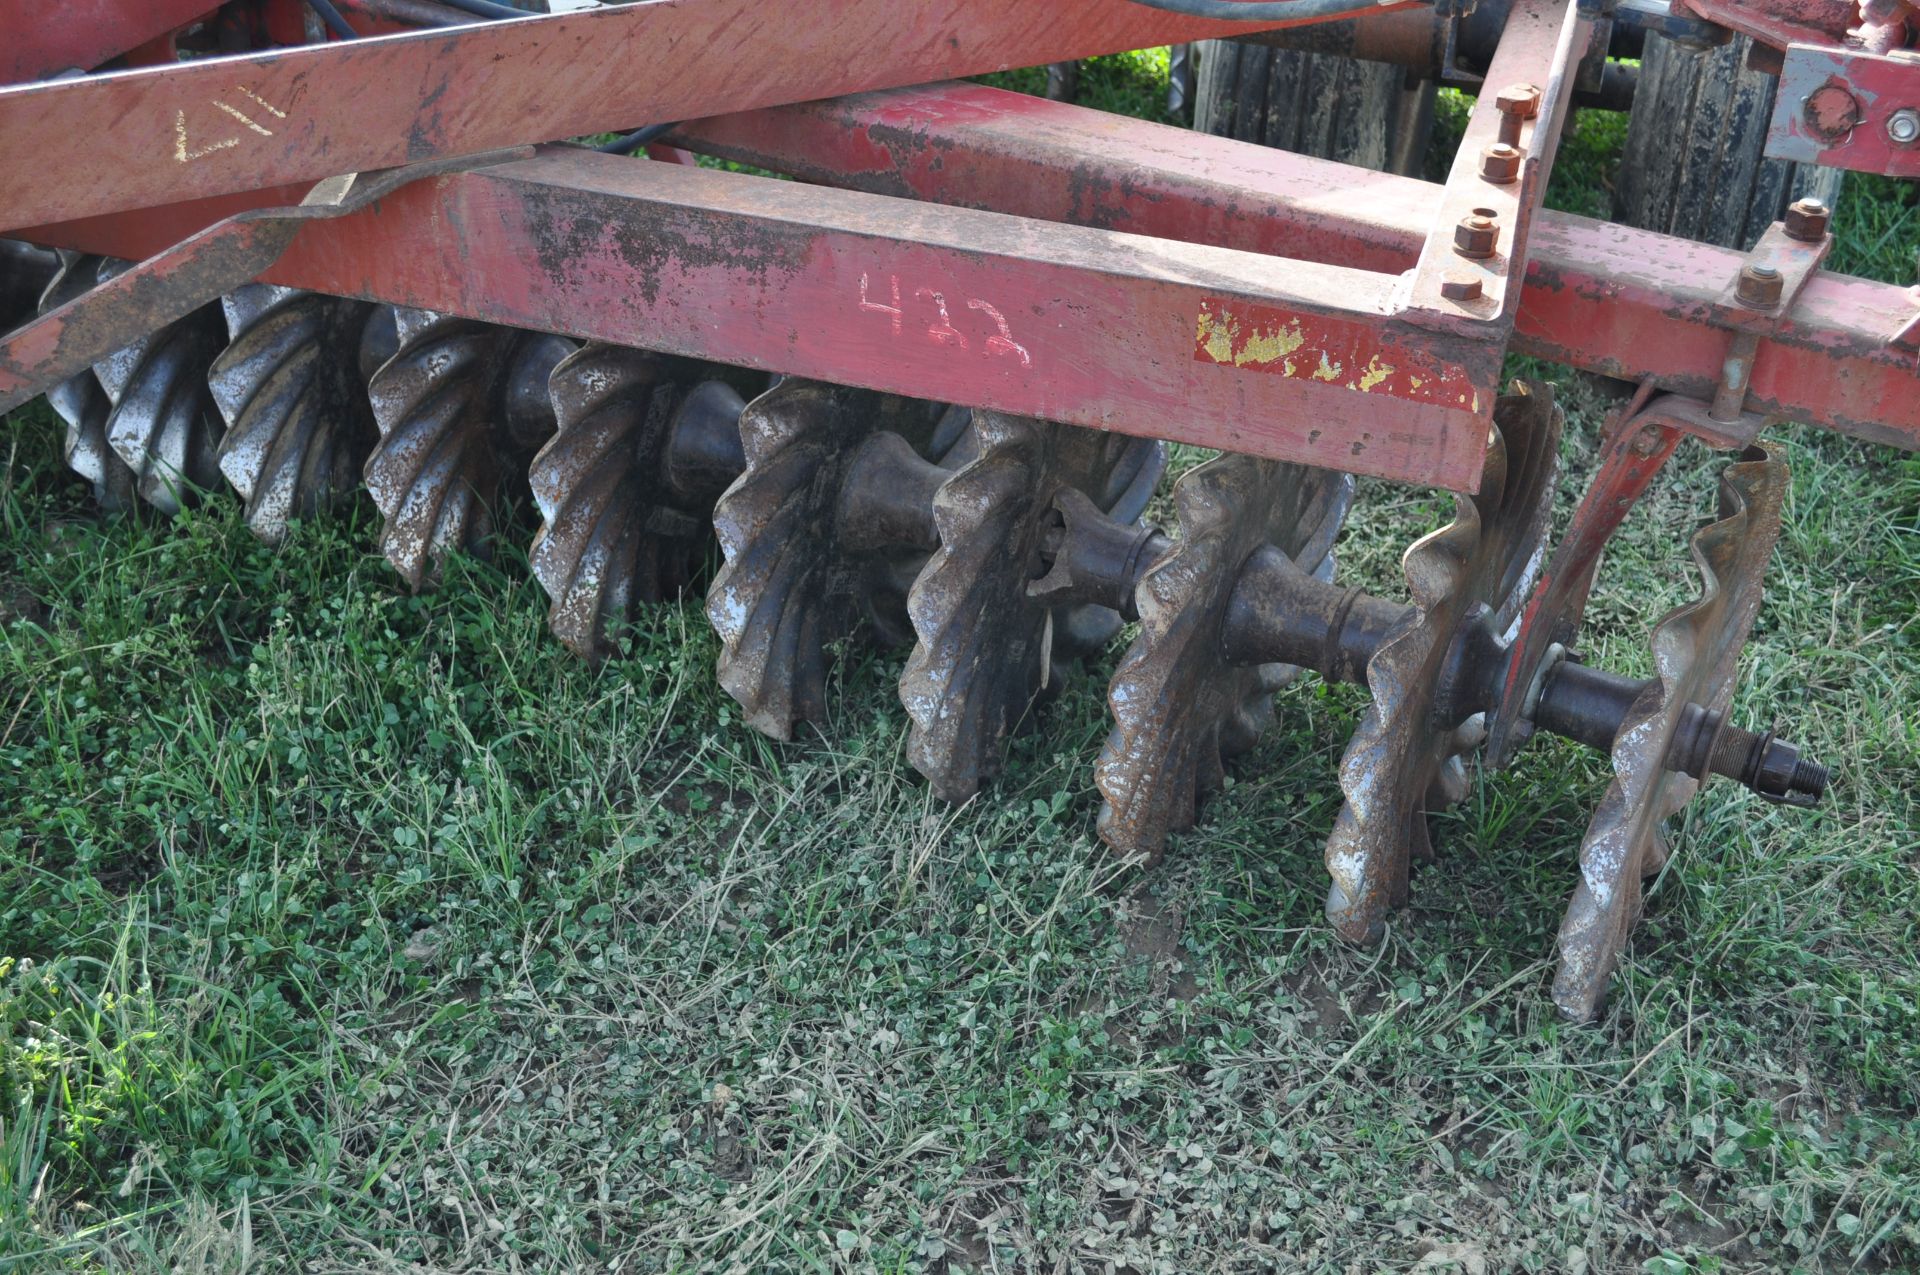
<point x="1271" y="347"/>
<point x="1376" y="372"/>
<point x="1327" y="371"/>
<point x="1215" y="337"/>
<point x="1221" y="337"/>
<point x="1414" y="382"/>
<point x="180" y="151"/>
<point x="264" y="132"/>
<point x="277" y="112"/>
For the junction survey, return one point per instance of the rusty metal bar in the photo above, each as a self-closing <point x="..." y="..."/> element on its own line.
<point x="1606" y="298"/>
<point x="188" y="275"/>
<point x="219" y="125"/>
<point x="1775" y="22"/>
<point x="1150" y="337"/>
<point x="1476" y="246"/>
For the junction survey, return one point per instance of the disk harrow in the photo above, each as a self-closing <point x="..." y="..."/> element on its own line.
<point x="1002" y="549"/>
<point x="918" y="398"/>
<point x="1674" y="733"/>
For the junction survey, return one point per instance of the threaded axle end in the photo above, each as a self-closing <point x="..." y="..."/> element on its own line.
<point x="1810" y="777"/>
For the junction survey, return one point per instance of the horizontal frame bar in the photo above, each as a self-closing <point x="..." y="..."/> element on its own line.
<point x="1602" y="297"/>
<point x="214" y="126"/>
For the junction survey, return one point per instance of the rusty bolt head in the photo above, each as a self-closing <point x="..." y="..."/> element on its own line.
<point x="1519" y="100"/>
<point x="1903" y="127"/>
<point x="1476" y="236"/>
<point x="1500" y="163"/>
<point x="1647" y="441"/>
<point x="1460" y="286"/>
<point x="1807" y="220"/>
<point x="1760" y="287"/>
<point x="1831" y="112"/>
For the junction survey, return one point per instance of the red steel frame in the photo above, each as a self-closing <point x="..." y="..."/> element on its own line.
<point x="164" y="134"/>
<point x="1120" y="275"/>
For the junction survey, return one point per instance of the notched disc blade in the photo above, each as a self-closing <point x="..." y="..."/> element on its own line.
<point x="1696" y="655"/>
<point x="290" y="388"/>
<point x="461" y="407"/>
<point x="617" y="529"/>
<point x="83" y="404"/>
<point x="1180" y="707"/>
<point x="163" y="423"/>
<point x="987" y="647"/>
<point x="1401" y="762"/>
<point x="798" y="575"/>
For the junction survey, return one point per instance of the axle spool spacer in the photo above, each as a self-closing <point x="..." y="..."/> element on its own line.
<point x="829" y="513"/>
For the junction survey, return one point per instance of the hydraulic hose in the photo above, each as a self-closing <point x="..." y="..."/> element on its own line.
<point x="331" y="16"/>
<point x="488" y="9"/>
<point x="635" y="140"/>
<point x="485" y="9"/>
<point x="1267" y="10"/>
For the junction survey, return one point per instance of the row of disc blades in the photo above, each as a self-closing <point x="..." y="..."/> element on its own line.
<point x="843" y="513"/>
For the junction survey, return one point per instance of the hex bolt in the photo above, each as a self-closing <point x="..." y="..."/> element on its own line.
<point x="1476" y="236"/>
<point x="1903" y="126"/>
<point x="1807" y="220"/>
<point x="1760" y="287"/>
<point x="1500" y="164"/>
<point x="1647" y="441"/>
<point x="1517" y="104"/>
<point x="1460" y="286"/>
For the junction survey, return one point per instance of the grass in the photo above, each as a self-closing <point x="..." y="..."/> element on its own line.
<point x="350" y="930"/>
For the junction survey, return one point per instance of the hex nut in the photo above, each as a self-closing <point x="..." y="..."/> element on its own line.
<point x="1476" y="236"/>
<point x="1460" y="286"/>
<point x="1500" y="163"/>
<point x="1760" y="287"/>
<point x="1807" y="220"/>
<point x="1522" y="100"/>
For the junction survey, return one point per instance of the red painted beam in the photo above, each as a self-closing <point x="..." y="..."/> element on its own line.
<point x="974" y="147"/>
<point x="39" y="39"/>
<point x="1169" y="340"/>
<point x="1603" y="297"/>
<point x="1606" y="298"/>
<point x="218" y="125"/>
